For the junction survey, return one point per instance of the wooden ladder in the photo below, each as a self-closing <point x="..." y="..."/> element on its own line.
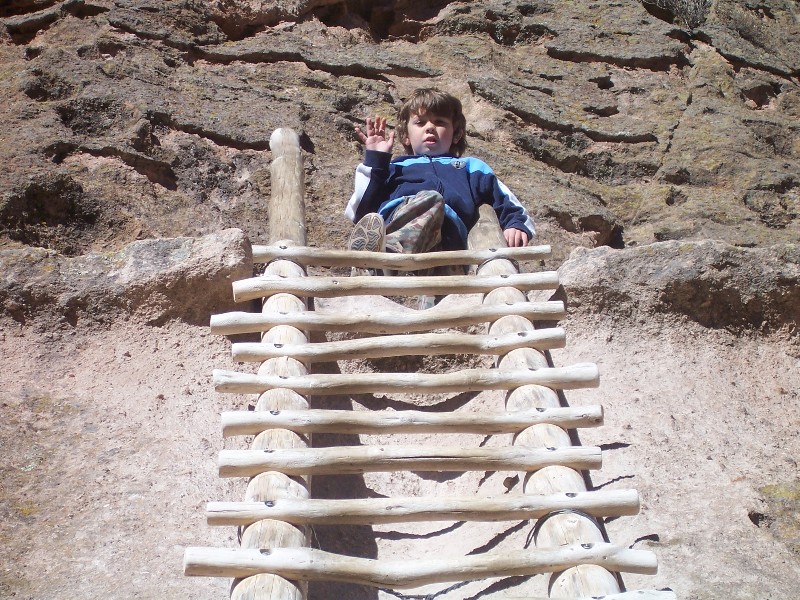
<point x="275" y="560"/>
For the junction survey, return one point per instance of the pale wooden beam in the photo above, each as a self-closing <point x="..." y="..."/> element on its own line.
<point x="322" y="257"/>
<point x="630" y="595"/>
<point x="286" y="222"/>
<point x="487" y="232"/>
<point x="384" y="322"/>
<point x="424" y="344"/>
<point x="287" y="218"/>
<point x="243" y="422"/>
<point x="377" y="459"/>
<point x="411" y="285"/>
<point x="566" y="527"/>
<point x="317" y="565"/>
<point x="373" y="511"/>
<point x="581" y="375"/>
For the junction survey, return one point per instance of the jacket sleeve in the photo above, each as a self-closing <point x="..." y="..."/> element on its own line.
<point x="509" y="209"/>
<point x="371" y="188"/>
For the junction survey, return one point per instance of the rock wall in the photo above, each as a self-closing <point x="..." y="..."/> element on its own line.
<point x="615" y="124"/>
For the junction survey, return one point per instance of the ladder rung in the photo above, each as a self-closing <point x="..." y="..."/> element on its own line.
<point x="375" y="459"/>
<point x="320" y="257"/>
<point x="331" y="287"/>
<point x="317" y="565"/>
<point x="666" y="594"/>
<point x="384" y="321"/>
<point x="422" y="344"/>
<point x="241" y="422"/>
<point x="372" y="511"/>
<point x="577" y="376"/>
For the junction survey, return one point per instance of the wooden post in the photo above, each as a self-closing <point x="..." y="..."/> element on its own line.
<point x="287" y="210"/>
<point x="286" y="223"/>
<point x="556" y="529"/>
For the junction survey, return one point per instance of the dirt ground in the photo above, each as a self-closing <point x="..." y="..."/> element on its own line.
<point x="109" y="440"/>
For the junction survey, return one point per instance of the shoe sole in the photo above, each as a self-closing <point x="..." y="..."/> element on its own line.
<point x="368" y="234"/>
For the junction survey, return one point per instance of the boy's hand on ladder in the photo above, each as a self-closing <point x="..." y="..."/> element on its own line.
<point x="515" y="238"/>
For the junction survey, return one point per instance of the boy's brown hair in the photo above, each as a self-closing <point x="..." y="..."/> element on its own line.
<point x="438" y="103"/>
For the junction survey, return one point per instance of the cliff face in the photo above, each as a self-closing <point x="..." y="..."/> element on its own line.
<point x="615" y="123"/>
<point x="639" y="131"/>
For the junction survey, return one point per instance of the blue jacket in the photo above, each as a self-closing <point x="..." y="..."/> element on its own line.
<point x="465" y="183"/>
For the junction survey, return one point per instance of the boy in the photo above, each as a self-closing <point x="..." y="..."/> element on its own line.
<point x="428" y="199"/>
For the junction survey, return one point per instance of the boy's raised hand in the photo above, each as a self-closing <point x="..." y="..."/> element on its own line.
<point x="375" y="137"/>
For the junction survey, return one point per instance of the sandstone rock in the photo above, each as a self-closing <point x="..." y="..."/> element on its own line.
<point x="361" y="60"/>
<point x="153" y="280"/>
<point x="181" y="25"/>
<point x="544" y="112"/>
<point x="22" y="27"/>
<point x="765" y="35"/>
<point x="237" y="16"/>
<point x="709" y="282"/>
<point x="171" y="105"/>
<point x="505" y="24"/>
<point x="619" y="33"/>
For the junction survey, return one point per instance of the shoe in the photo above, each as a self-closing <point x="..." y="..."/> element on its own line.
<point x="369" y="234"/>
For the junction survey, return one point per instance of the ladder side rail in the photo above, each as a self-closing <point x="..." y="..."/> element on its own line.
<point x="287" y="224"/>
<point x="558" y="528"/>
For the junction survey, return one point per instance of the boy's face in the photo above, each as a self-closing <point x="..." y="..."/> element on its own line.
<point x="430" y="134"/>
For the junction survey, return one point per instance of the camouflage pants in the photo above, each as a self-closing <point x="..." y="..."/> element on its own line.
<point x="416" y="224"/>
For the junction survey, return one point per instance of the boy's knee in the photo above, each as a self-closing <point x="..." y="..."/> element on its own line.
<point x="431" y="196"/>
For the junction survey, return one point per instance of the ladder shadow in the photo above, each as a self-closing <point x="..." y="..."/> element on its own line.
<point x="383" y="402"/>
<point x="350" y="540"/>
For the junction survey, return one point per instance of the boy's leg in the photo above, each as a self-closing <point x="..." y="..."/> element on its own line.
<point x="416" y="225"/>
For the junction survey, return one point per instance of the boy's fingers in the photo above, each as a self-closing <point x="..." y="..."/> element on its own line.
<point x="515" y="238"/>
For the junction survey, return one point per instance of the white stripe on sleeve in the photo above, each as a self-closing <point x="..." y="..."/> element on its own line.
<point x="513" y="199"/>
<point x="362" y="179"/>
